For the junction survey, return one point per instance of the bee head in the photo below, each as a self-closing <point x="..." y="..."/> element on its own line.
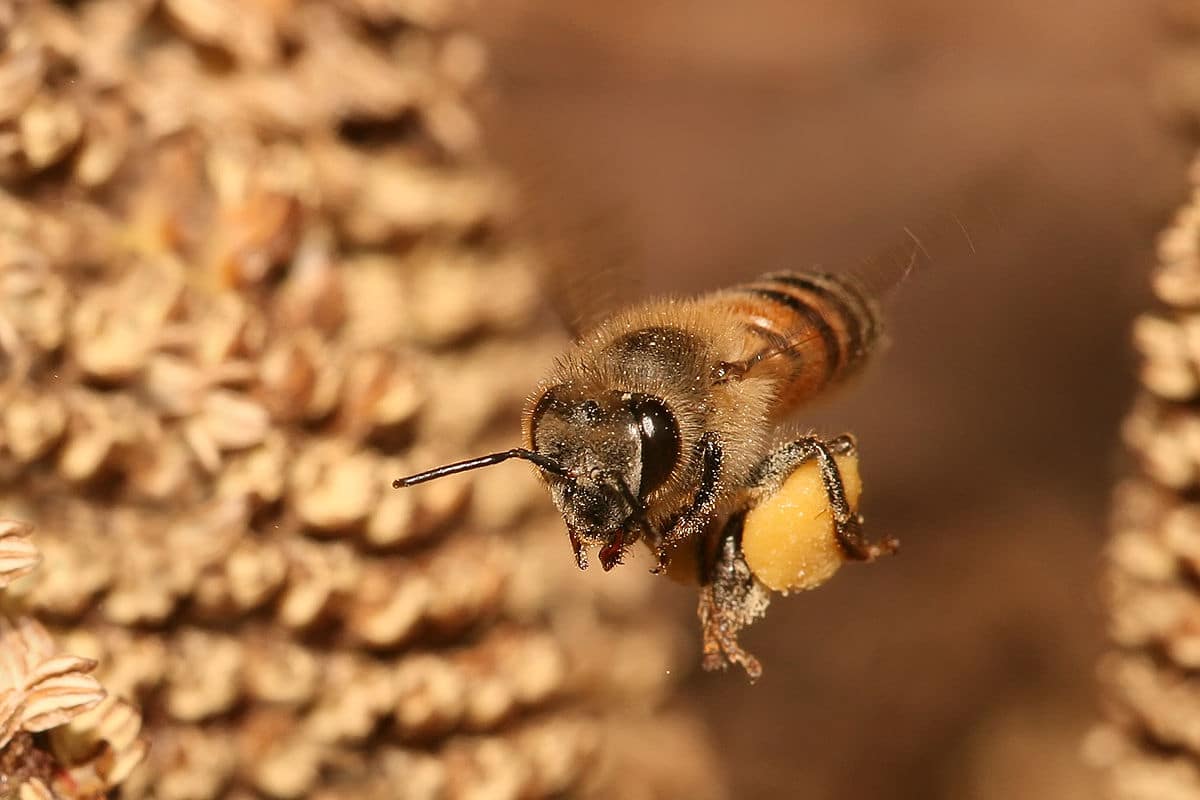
<point x="614" y="448"/>
<point x="602" y="455"/>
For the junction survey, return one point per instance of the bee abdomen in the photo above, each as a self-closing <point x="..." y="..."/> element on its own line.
<point x="844" y="304"/>
<point x="818" y="327"/>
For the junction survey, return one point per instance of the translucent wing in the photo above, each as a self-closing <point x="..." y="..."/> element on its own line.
<point x="947" y="239"/>
<point x="577" y="222"/>
<point x="815" y="328"/>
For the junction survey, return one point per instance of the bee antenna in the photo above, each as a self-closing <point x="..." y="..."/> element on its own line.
<point x="542" y="462"/>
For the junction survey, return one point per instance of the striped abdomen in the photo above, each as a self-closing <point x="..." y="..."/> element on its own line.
<point x="811" y="329"/>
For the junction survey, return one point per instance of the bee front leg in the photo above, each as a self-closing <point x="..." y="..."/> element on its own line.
<point x="730" y="599"/>
<point x="692" y="523"/>
<point x="847" y="525"/>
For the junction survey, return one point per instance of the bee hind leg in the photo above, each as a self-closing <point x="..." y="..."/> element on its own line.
<point x="730" y="599"/>
<point x="847" y="524"/>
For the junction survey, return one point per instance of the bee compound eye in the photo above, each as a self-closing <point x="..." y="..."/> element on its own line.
<point x="660" y="440"/>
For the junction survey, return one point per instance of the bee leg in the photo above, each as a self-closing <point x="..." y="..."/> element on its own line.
<point x="847" y="524"/>
<point x="692" y="523"/>
<point x="577" y="547"/>
<point x="730" y="599"/>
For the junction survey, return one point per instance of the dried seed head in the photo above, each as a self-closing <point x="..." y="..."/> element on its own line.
<point x="1150" y="747"/>
<point x="228" y="247"/>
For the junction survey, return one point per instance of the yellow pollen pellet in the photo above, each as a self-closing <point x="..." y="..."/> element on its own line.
<point x="788" y="539"/>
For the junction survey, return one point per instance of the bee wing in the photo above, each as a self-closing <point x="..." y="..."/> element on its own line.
<point x="581" y="235"/>
<point x="942" y="240"/>
<point x="584" y="252"/>
<point x="860" y="291"/>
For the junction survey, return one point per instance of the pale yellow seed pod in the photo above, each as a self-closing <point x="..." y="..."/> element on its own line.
<point x="788" y="539"/>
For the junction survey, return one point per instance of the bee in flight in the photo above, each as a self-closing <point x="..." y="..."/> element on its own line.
<point x="659" y="425"/>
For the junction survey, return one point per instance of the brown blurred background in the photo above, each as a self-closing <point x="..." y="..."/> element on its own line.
<point x="737" y="138"/>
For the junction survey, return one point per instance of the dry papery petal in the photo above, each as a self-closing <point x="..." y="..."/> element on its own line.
<point x="21" y="71"/>
<point x="202" y="675"/>
<point x="373" y="289"/>
<point x="11" y="701"/>
<point x="233" y="421"/>
<point x="221" y="336"/>
<point x="258" y="476"/>
<point x="18" y="554"/>
<point x="319" y="576"/>
<point x="247" y="579"/>
<point x="190" y="762"/>
<point x="245" y="29"/>
<point x="1177" y="279"/>
<point x="469" y="576"/>
<point x="1168" y="365"/>
<point x="312" y="295"/>
<point x="460" y="585"/>
<point x="49" y="128"/>
<point x="298" y="378"/>
<point x="372" y="85"/>
<point x="129" y="663"/>
<point x="163" y="557"/>
<point x="162" y="470"/>
<point x="102" y="428"/>
<point x="430" y="14"/>
<point x="1156" y="614"/>
<point x="32" y="299"/>
<point x="333" y="486"/>
<point x="260" y="235"/>
<point x="381" y="391"/>
<point x="105" y="145"/>
<point x="115" y="329"/>
<point x="33" y="424"/>
<point x="83" y="567"/>
<point x="281" y="672"/>
<point x="56" y="687"/>
<point x="393" y="773"/>
<point x="355" y="694"/>
<point x="414" y="514"/>
<point x="101" y="746"/>
<point x="447" y="303"/>
<point x="389" y="604"/>
<point x="35" y="789"/>
<point x="400" y="198"/>
<point x="477" y="688"/>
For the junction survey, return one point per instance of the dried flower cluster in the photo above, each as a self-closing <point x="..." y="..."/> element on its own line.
<point x="252" y="268"/>
<point x="92" y="739"/>
<point x="1151" y="747"/>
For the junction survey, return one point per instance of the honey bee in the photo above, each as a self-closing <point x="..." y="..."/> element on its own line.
<point x="660" y="425"/>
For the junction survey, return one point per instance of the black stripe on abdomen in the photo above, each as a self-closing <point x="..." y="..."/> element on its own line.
<point x="812" y="318"/>
<point x="845" y="299"/>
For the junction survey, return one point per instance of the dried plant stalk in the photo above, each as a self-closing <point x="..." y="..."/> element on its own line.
<point x="253" y="266"/>
<point x="1150" y="747"/>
